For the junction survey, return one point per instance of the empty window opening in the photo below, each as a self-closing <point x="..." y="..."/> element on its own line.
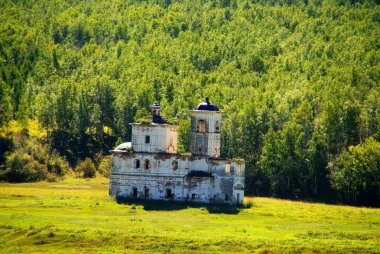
<point x="147" y="164"/>
<point x="226" y="197"/>
<point x="228" y="168"/>
<point x="147" y="139"/>
<point x="168" y="193"/>
<point x="200" y="149"/>
<point x="193" y="196"/>
<point x="137" y="164"/>
<point x="238" y="198"/>
<point x="175" y="165"/>
<point x="201" y="126"/>
<point x="217" y="126"/>
<point x="134" y="192"/>
<point x="146" y="192"/>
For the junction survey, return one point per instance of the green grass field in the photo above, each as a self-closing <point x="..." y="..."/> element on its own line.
<point x="77" y="215"/>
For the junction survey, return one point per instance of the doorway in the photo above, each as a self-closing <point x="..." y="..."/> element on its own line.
<point x="168" y="193"/>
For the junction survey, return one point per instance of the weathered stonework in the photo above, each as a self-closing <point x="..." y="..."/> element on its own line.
<point x="150" y="167"/>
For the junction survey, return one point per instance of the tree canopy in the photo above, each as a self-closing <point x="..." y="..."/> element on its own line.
<point x="298" y="80"/>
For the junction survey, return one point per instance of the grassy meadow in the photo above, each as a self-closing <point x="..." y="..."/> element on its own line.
<point x="77" y="215"/>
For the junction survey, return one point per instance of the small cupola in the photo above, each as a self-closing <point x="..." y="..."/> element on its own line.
<point x="156" y="118"/>
<point x="156" y="109"/>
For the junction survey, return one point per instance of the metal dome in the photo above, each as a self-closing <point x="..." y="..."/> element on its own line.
<point x="207" y="105"/>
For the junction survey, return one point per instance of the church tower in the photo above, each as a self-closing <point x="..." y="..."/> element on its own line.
<point x="155" y="137"/>
<point x="205" y="130"/>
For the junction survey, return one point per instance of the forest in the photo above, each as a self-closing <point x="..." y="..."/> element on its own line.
<point x="299" y="82"/>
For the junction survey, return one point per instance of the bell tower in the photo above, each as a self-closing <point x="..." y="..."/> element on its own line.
<point x="205" y="130"/>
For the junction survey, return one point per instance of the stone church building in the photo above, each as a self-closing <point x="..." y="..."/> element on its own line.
<point x="150" y="167"/>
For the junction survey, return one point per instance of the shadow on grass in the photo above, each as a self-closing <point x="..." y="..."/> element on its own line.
<point x="170" y="205"/>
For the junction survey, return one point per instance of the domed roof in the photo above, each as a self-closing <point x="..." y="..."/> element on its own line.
<point x="207" y="105"/>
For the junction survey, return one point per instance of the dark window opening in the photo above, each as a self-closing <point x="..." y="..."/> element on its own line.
<point x="217" y="126"/>
<point x="226" y="197"/>
<point x="134" y="192"/>
<point x="147" y="139"/>
<point x="137" y="164"/>
<point x="200" y="149"/>
<point x="175" y="165"/>
<point x="168" y="193"/>
<point x="146" y="192"/>
<point x="193" y="196"/>
<point x="147" y="164"/>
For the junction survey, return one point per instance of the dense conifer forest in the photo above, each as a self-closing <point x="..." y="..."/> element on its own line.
<point x="298" y="82"/>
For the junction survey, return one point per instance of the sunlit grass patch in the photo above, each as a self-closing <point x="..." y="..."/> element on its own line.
<point x="76" y="215"/>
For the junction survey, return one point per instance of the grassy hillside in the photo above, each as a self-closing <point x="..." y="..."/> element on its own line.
<point x="298" y="80"/>
<point x="77" y="215"/>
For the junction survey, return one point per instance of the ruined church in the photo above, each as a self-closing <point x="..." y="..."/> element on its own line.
<point x="149" y="167"/>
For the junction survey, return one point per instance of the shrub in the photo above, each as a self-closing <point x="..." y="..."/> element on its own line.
<point x="87" y="168"/>
<point x="22" y="167"/>
<point x="105" y="166"/>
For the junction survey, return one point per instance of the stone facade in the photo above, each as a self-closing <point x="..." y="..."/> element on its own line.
<point x="150" y="167"/>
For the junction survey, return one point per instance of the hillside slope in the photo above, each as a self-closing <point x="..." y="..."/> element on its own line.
<point x="298" y="80"/>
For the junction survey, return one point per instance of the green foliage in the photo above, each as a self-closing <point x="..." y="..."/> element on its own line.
<point x="5" y="104"/>
<point x="31" y="161"/>
<point x="356" y="171"/>
<point x="86" y="168"/>
<point x="104" y="167"/>
<point x="86" y="70"/>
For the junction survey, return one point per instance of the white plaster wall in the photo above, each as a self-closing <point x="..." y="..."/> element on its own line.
<point x="160" y="176"/>
<point x="163" y="138"/>
<point x="201" y="187"/>
<point x="199" y="164"/>
<point x="213" y="149"/>
<point x="210" y="117"/>
<point x="159" y="164"/>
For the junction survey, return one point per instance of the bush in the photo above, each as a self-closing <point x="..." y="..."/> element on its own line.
<point x="105" y="166"/>
<point x="87" y="168"/>
<point x="22" y="167"/>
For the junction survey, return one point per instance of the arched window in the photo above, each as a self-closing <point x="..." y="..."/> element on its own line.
<point x="147" y="164"/>
<point x="137" y="163"/>
<point x="146" y="192"/>
<point x="134" y="192"/>
<point x="193" y="196"/>
<point x="201" y="126"/>
<point x="147" y="139"/>
<point x="217" y="126"/>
